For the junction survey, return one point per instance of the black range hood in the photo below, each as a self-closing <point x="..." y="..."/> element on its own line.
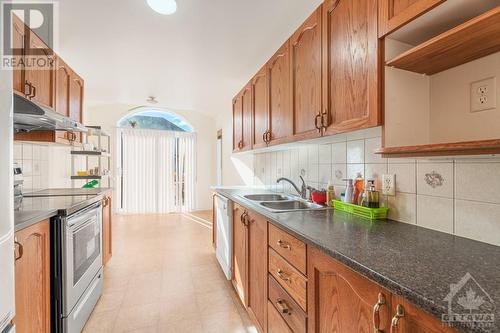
<point x="30" y="116"/>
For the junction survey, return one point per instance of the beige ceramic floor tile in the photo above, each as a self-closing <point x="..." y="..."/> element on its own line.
<point x="137" y="317"/>
<point x="103" y="322"/>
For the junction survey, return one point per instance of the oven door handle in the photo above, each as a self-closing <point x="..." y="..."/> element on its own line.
<point x="84" y="212"/>
<point x="75" y="229"/>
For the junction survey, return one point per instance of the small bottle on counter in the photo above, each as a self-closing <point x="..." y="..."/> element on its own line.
<point x="349" y="191"/>
<point x="372" y="199"/>
<point x="330" y="194"/>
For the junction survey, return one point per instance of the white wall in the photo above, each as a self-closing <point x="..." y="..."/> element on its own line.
<point x="237" y="169"/>
<point x="107" y="116"/>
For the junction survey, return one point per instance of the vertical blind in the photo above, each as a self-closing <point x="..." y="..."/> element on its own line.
<point x="159" y="171"/>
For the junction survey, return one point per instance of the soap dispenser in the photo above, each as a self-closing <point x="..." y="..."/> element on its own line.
<point x="372" y="196"/>
<point x="349" y="191"/>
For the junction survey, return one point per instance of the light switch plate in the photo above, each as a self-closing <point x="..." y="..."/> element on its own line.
<point x="389" y="184"/>
<point x="483" y="95"/>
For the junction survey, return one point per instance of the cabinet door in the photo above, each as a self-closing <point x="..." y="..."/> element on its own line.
<point x="341" y="300"/>
<point x="351" y="67"/>
<point x="42" y="78"/>
<point x="33" y="279"/>
<point x="409" y="319"/>
<point x="63" y="78"/>
<point x="306" y="77"/>
<point x="280" y="99"/>
<point x="240" y="254"/>
<point x="76" y="89"/>
<point x="260" y="109"/>
<point x="237" y="123"/>
<point x="396" y="13"/>
<point x="257" y="269"/>
<point x="246" y="111"/>
<point x="19" y="44"/>
<point x="107" y="230"/>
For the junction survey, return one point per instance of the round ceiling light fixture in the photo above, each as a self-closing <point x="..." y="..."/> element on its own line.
<point x="164" y="7"/>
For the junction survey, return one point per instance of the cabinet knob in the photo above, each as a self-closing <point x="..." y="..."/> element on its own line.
<point x="400" y="313"/>
<point x="376" y="313"/>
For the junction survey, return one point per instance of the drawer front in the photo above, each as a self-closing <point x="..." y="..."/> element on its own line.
<point x="275" y="324"/>
<point x="289" y="310"/>
<point x="288" y="247"/>
<point x="289" y="278"/>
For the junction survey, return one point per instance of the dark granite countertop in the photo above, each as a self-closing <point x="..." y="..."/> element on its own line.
<point x="419" y="264"/>
<point x="46" y="204"/>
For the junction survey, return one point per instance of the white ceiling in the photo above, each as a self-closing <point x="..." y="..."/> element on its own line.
<point x="196" y="59"/>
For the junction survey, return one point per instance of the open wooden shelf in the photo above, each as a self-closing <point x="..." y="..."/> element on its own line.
<point x="484" y="147"/>
<point x="471" y="40"/>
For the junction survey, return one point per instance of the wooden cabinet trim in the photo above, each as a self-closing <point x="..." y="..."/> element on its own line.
<point x="390" y="21"/>
<point x="258" y="132"/>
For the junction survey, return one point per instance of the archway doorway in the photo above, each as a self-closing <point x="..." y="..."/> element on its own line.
<point x="157" y="162"/>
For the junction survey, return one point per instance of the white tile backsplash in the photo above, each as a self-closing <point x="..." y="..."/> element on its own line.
<point x="478" y="220"/>
<point x="435" y="179"/>
<point x="405" y="177"/>
<point x="435" y="213"/>
<point x="356" y="151"/>
<point x="477" y="181"/>
<point x="451" y="195"/>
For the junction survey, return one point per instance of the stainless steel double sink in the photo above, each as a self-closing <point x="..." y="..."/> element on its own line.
<point x="279" y="203"/>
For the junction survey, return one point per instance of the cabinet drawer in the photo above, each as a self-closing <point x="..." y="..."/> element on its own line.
<point x="287" y="307"/>
<point x="289" y="278"/>
<point x="275" y="324"/>
<point x="288" y="247"/>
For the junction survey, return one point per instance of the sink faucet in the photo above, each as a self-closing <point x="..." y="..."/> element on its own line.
<point x="302" y="191"/>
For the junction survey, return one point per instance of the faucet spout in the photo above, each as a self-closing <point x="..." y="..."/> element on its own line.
<point x="302" y="191"/>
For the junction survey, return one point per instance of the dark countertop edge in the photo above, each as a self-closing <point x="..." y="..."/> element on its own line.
<point x="416" y="299"/>
<point x="39" y="216"/>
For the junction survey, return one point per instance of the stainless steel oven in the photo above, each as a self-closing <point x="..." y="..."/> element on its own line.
<point x="79" y="270"/>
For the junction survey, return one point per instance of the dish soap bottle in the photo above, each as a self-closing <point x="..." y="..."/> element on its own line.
<point x="359" y="186"/>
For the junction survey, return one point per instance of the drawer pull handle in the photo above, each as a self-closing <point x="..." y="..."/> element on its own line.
<point x="284" y="245"/>
<point x="282" y="307"/>
<point x="400" y="313"/>
<point x="282" y="276"/>
<point x="20" y="251"/>
<point x="376" y="313"/>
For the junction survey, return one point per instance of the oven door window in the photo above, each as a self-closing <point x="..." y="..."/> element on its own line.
<point x="86" y="247"/>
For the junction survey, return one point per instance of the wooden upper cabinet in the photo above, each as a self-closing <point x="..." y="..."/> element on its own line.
<point x="393" y="14"/>
<point x="19" y="43"/>
<point x="240" y="245"/>
<point x="280" y="100"/>
<point x="408" y="318"/>
<point x="260" y="109"/>
<point x="257" y="269"/>
<point x="33" y="279"/>
<point x="341" y="300"/>
<point x="306" y="62"/>
<point x="351" y="66"/>
<point x="41" y="78"/>
<point x="76" y="89"/>
<point x="237" y="123"/>
<point x="63" y="80"/>
<point x="246" y="103"/>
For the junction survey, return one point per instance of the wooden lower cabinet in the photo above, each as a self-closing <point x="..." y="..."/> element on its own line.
<point x="33" y="279"/>
<point x="107" y="229"/>
<point x="257" y="269"/>
<point x="239" y="274"/>
<point x="342" y="301"/>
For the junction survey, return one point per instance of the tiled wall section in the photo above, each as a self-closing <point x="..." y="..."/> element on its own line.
<point x="44" y="166"/>
<point x="459" y="196"/>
